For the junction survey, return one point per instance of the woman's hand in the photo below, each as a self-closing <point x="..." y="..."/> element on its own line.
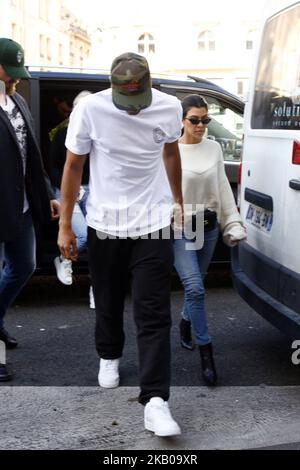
<point x="177" y="221"/>
<point x="55" y="209"/>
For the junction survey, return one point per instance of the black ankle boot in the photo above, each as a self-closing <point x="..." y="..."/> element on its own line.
<point x="5" y="375"/>
<point x="10" y="342"/>
<point x="209" y="373"/>
<point x="185" y="334"/>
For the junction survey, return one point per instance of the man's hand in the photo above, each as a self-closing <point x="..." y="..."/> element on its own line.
<point x="67" y="243"/>
<point x="55" y="209"/>
<point x="70" y="187"/>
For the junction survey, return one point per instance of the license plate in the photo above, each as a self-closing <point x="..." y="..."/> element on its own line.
<point x="260" y="218"/>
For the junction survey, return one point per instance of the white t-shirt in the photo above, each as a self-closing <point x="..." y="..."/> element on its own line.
<point x="18" y="123"/>
<point x="129" y="189"/>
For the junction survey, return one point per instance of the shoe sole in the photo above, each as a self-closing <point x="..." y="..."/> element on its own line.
<point x="57" y="265"/>
<point x="149" y="427"/>
<point x="111" y="385"/>
<point x="115" y="385"/>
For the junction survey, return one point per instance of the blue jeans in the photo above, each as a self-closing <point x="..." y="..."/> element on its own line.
<point x="191" y="266"/>
<point x="79" y="225"/>
<point x="18" y="257"/>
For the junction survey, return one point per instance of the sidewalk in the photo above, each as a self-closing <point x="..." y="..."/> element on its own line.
<point x="90" y="418"/>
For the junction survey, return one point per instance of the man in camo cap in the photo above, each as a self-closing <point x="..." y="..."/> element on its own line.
<point x="131" y="83"/>
<point x="130" y="133"/>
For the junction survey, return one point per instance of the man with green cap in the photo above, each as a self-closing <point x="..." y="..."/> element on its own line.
<point x="130" y="132"/>
<point x="25" y="190"/>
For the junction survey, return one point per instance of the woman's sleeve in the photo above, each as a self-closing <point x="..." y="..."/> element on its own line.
<point x="230" y="220"/>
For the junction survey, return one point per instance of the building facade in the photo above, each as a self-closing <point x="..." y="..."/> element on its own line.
<point x="207" y="44"/>
<point x="50" y="34"/>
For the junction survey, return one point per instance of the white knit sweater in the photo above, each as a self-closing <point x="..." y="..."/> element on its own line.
<point x="204" y="181"/>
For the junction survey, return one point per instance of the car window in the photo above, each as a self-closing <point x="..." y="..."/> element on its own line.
<point x="226" y="126"/>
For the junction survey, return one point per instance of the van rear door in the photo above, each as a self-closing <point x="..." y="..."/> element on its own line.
<point x="271" y="166"/>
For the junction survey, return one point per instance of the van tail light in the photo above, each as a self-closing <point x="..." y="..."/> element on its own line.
<point x="296" y="153"/>
<point x="239" y="178"/>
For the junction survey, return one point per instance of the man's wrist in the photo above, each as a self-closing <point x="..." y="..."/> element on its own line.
<point x="64" y="224"/>
<point x="178" y="200"/>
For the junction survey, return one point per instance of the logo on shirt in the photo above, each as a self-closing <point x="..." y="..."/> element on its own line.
<point x="158" y="135"/>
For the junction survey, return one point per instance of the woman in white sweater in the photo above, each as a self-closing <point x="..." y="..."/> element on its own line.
<point x="204" y="184"/>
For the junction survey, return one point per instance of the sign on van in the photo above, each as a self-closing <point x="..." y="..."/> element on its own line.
<point x="285" y="114"/>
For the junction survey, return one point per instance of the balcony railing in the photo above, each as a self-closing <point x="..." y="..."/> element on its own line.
<point x="78" y="31"/>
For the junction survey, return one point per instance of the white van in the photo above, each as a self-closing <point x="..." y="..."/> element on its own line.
<point x="266" y="268"/>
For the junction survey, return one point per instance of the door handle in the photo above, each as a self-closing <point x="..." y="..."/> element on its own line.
<point x="294" y="184"/>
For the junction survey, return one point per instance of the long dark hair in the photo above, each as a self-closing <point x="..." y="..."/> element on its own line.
<point x="193" y="101"/>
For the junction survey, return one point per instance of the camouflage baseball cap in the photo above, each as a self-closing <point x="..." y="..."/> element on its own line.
<point x="12" y="59"/>
<point x="131" y="82"/>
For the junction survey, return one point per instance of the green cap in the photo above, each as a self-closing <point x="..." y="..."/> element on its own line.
<point x="12" y="58"/>
<point x="131" y="82"/>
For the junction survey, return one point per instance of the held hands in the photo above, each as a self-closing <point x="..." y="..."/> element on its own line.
<point x="177" y="220"/>
<point x="67" y="243"/>
<point x="55" y="209"/>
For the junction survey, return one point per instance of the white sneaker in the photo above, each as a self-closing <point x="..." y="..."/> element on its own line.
<point x="108" y="376"/>
<point x="92" y="300"/>
<point x="64" y="271"/>
<point x="158" y="418"/>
